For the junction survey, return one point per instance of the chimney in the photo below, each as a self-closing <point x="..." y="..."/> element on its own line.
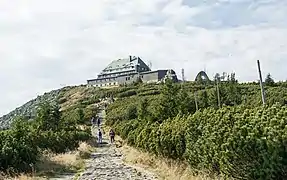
<point x="130" y="58"/>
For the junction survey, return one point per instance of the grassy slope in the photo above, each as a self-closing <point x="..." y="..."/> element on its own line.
<point x="51" y="165"/>
<point x="71" y="98"/>
<point x="81" y="96"/>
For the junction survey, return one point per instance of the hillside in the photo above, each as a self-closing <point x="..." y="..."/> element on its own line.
<point x="67" y="97"/>
<point x="184" y="122"/>
<point x="81" y="95"/>
<point x="29" y="109"/>
<point x="241" y="140"/>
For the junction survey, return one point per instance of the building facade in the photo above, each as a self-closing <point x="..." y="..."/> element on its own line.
<point x="127" y="71"/>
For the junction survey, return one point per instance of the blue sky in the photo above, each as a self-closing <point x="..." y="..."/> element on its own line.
<point x="49" y="43"/>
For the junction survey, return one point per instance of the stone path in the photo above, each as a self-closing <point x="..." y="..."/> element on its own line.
<point x="107" y="164"/>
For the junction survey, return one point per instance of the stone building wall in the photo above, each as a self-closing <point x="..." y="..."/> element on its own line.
<point x="146" y="77"/>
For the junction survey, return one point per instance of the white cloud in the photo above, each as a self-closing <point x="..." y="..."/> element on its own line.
<point x="48" y="43"/>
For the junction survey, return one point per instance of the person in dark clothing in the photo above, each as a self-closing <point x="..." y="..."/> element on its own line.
<point x="112" y="136"/>
<point x="100" y="136"/>
<point x="93" y="120"/>
<point x="98" y="121"/>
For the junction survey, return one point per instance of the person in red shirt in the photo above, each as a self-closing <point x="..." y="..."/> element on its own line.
<point x="112" y="136"/>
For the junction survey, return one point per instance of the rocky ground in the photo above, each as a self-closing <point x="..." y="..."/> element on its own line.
<point x="107" y="163"/>
<point x="29" y="109"/>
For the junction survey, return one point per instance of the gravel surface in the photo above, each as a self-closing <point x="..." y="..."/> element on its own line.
<point x="107" y="163"/>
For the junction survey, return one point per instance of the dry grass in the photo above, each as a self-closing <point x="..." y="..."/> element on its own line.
<point x="73" y="96"/>
<point x="85" y="149"/>
<point x="25" y="177"/>
<point x="52" y="165"/>
<point x="57" y="164"/>
<point x="165" y="169"/>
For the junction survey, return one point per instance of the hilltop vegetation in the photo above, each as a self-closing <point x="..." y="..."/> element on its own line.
<point x="240" y="139"/>
<point x="56" y="128"/>
<point x="21" y="145"/>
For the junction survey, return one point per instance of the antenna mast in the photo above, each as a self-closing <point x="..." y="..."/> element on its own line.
<point x="182" y="75"/>
<point x="261" y="84"/>
<point x="150" y="64"/>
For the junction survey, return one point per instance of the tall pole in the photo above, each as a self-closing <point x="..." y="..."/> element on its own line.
<point x="182" y="74"/>
<point x="195" y="99"/>
<point x="261" y="84"/>
<point x="218" y="94"/>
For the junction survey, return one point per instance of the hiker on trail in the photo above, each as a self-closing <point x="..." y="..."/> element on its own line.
<point x="100" y="136"/>
<point x="93" y="121"/>
<point x="112" y="136"/>
<point x="99" y="121"/>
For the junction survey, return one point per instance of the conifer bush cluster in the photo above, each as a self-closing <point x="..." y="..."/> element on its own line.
<point x="22" y="144"/>
<point x="242" y="140"/>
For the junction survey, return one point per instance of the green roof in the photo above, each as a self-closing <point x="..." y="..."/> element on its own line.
<point x="121" y="63"/>
<point x="124" y="64"/>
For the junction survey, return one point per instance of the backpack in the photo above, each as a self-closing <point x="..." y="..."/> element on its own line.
<point x="100" y="133"/>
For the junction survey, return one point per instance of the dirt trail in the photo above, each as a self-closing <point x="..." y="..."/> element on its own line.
<point x="107" y="163"/>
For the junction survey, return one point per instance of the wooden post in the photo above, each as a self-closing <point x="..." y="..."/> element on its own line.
<point x="195" y="99"/>
<point x="261" y="84"/>
<point x="218" y="94"/>
<point x="182" y="74"/>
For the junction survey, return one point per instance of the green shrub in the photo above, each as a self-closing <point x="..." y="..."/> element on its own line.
<point x="148" y="93"/>
<point x="62" y="100"/>
<point x="20" y="145"/>
<point x="127" y="93"/>
<point x="17" y="149"/>
<point x="62" y="141"/>
<point x="233" y="141"/>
